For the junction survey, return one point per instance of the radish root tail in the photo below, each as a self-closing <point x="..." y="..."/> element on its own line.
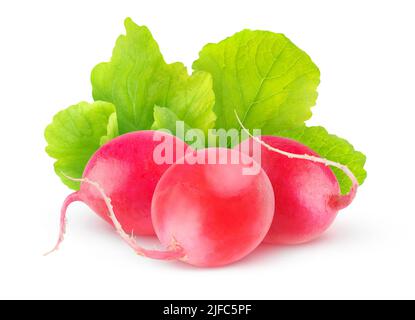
<point x="337" y="201"/>
<point x="175" y="252"/>
<point x="73" y="197"/>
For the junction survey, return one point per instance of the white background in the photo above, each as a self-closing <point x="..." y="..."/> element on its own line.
<point x="366" y="54"/>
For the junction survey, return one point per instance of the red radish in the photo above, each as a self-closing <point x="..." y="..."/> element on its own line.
<point x="307" y="194"/>
<point x="126" y="170"/>
<point x="205" y="214"/>
<point x="214" y="212"/>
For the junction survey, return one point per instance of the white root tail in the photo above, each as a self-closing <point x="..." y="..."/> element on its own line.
<point x="175" y="252"/>
<point x="62" y="229"/>
<point x="339" y="201"/>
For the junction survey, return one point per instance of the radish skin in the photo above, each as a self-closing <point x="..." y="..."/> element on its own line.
<point x="126" y="169"/>
<point x="307" y="194"/>
<point x="225" y="219"/>
<point x="215" y="212"/>
<point x="174" y="253"/>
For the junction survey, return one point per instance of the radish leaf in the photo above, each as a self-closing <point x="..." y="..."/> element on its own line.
<point x="137" y="78"/>
<point x="165" y="118"/>
<point x="73" y="137"/>
<point x="269" y="81"/>
<point x="112" y="129"/>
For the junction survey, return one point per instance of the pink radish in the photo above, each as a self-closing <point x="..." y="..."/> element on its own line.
<point x="126" y="170"/>
<point x="214" y="212"/>
<point x="206" y="215"/>
<point x="307" y="194"/>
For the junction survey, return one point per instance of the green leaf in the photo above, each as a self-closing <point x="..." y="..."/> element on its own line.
<point x="74" y="135"/>
<point x="166" y="119"/>
<point x="192" y="100"/>
<point x="333" y="148"/>
<point x="269" y="81"/>
<point x="112" y="129"/>
<point x="137" y="78"/>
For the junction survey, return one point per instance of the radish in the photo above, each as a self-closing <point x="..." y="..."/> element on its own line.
<point x="214" y="212"/>
<point x="124" y="167"/>
<point x="307" y="194"/>
<point x="206" y="215"/>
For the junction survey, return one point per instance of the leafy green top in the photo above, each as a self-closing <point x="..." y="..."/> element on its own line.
<point x="269" y="81"/>
<point x="137" y="78"/>
<point x="74" y="135"/>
